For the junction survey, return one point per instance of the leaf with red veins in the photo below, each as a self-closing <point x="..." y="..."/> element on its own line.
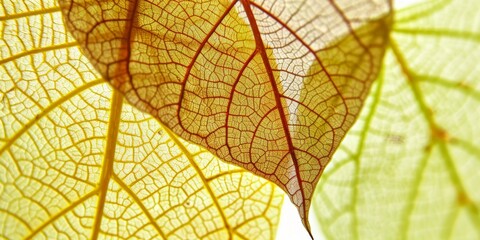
<point x="257" y="83"/>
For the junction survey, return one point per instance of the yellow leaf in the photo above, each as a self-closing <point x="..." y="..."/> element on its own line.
<point x="76" y="161"/>
<point x="228" y="74"/>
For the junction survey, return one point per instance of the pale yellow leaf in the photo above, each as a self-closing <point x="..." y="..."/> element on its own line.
<point x="77" y="162"/>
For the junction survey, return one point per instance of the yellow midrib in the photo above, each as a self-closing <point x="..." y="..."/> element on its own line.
<point x="108" y="159"/>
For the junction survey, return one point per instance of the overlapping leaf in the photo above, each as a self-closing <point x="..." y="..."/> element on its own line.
<point x="229" y="74"/>
<point x="77" y="162"/>
<point x="410" y="168"/>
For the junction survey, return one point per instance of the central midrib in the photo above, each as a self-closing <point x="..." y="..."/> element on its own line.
<point x="283" y="118"/>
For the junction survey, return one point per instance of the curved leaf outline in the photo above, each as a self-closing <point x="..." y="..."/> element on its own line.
<point x="228" y="75"/>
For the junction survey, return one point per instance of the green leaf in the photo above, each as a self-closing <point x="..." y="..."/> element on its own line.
<point x="410" y="166"/>
<point x="76" y="161"/>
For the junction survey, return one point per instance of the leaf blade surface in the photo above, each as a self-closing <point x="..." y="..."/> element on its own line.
<point x="411" y="161"/>
<point x="227" y="74"/>
<point x="76" y="160"/>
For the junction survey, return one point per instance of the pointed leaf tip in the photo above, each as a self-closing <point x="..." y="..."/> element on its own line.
<point x="270" y="90"/>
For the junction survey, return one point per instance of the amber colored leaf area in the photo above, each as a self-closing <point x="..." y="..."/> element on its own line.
<point x="271" y="86"/>
<point x="79" y="162"/>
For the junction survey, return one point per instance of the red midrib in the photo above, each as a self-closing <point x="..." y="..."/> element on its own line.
<point x="261" y="48"/>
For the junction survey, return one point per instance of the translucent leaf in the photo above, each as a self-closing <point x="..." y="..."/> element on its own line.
<point x="410" y="167"/>
<point x="228" y="74"/>
<point x="77" y="162"/>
